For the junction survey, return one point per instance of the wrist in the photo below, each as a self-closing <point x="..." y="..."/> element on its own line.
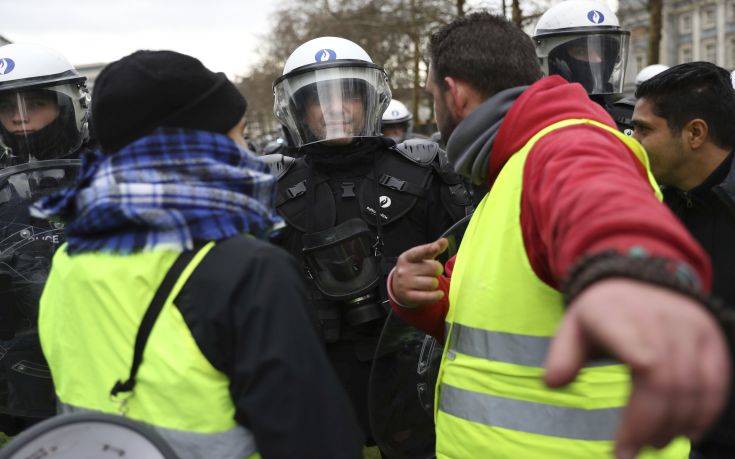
<point x="662" y="272"/>
<point x="391" y="295"/>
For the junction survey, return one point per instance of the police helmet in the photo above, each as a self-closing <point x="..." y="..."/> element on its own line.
<point x="649" y="72"/>
<point x="397" y="117"/>
<point x="330" y="90"/>
<point x="44" y="105"/>
<point x="582" y="41"/>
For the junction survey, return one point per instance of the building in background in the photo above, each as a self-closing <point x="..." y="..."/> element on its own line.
<point x="692" y="30"/>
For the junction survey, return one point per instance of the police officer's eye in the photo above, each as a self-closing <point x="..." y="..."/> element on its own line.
<point x="6" y="107"/>
<point x="38" y="103"/>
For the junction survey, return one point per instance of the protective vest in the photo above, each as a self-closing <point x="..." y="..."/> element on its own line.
<point x="491" y="398"/>
<point x="101" y="299"/>
<point x="385" y="195"/>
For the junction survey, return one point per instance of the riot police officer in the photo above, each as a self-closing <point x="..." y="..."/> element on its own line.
<point x="353" y="200"/>
<point x="43" y="125"/>
<point x="583" y="42"/>
<point x="397" y="121"/>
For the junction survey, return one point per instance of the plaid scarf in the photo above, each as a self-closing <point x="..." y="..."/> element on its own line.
<point x="168" y="189"/>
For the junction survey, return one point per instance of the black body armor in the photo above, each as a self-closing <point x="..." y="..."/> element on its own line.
<point x="395" y="196"/>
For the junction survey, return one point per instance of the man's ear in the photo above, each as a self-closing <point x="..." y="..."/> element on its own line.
<point x="695" y="133"/>
<point x="462" y="98"/>
<point x="453" y="96"/>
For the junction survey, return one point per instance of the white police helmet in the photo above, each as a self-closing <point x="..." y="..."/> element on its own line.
<point x="398" y="117"/>
<point x="732" y="78"/>
<point x="582" y="41"/>
<point x="44" y="105"/>
<point x="649" y="72"/>
<point x="330" y="89"/>
<point x="396" y="113"/>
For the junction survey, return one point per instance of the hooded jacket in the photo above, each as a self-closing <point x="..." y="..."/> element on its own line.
<point x="584" y="193"/>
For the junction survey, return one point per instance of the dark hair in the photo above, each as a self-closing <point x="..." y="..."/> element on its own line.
<point x="487" y="51"/>
<point x="690" y="91"/>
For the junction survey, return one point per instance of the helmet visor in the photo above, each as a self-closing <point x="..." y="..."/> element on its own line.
<point x="38" y="124"/>
<point x="332" y="105"/>
<point x="596" y="61"/>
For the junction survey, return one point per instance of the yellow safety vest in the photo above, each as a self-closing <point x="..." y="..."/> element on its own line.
<point x="100" y="299"/>
<point x="491" y="398"/>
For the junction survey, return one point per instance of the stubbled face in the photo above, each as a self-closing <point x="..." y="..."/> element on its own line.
<point x="26" y="113"/>
<point x="446" y="121"/>
<point x="666" y="149"/>
<point x="340" y="115"/>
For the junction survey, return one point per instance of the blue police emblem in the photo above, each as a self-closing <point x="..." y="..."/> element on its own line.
<point x="395" y="113"/>
<point x="6" y="65"/>
<point x="596" y="17"/>
<point x="325" y="55"/>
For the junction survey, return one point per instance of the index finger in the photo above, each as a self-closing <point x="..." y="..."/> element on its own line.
<point x="426" y="251"/>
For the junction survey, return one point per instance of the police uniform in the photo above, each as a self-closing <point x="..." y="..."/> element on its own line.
<point x="404" y="195"/>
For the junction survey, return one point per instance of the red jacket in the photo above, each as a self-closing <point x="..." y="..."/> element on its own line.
<point x="584" y="192"/>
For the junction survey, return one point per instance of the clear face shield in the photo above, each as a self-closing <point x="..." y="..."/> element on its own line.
<point x="41" y="124"/>
<point x="596" y="61"/>
<point x="333" y="105"/>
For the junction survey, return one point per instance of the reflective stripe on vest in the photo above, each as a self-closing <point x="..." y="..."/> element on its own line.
<point x="531" y="417"/>
<point x="503" y="347"/>
<point x="491" y="398"/>
<point x="93" y="304"/>
<point x="236" y="442"/>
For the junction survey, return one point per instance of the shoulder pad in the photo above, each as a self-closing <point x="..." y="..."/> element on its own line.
<point x="419" y="151"/>
<point x="278" y="164"/>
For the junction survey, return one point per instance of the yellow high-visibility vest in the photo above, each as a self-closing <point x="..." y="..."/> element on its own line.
<point x="491" y="398"/>
<point x="100" y="299"/>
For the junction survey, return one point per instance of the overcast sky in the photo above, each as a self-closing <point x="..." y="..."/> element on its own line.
<point x="224" y="34"/>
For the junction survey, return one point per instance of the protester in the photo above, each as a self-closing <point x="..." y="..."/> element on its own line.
<point x="164" y="286"/>
<point x="568" y="257"/>
<point x="684" y="118"/>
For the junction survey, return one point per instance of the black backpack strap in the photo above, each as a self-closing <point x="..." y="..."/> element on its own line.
<point x="150" y="316"/>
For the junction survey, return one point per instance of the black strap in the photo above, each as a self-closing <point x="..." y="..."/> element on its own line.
<point x="397" y="184"/>
<point x="149" y="319"/>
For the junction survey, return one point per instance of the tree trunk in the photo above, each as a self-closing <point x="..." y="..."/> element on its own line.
<point x="416" y="77"/>
<point x="460" y="8"/>
<point x="516" y="13"/>
<point x="655" y="11"/>
<point x="416" y="39"/>
<point x="502" y="8"/>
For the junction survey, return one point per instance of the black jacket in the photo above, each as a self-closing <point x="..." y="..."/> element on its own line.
<point x="245" y="305"/>
<point x="708" y="212"/>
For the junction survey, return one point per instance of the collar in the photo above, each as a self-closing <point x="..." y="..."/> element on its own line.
<point x="470" y="144"/>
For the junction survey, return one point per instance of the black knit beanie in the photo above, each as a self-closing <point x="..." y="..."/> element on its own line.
<point x="151" y="89"/>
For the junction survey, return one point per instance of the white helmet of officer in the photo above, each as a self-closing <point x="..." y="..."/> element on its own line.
<point x="649" y="72"/>
<point x="44" y="105"/>
<point x="582" y="41"/>
<point x="330" y="91"/>
<point x="396" y="122"/>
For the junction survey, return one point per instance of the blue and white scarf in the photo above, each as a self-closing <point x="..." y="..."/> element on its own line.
<point x="168" y="189"/>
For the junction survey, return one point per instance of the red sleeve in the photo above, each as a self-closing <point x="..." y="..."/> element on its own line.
<point x="584" y="192"/>
<point x="430" y="318"/>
